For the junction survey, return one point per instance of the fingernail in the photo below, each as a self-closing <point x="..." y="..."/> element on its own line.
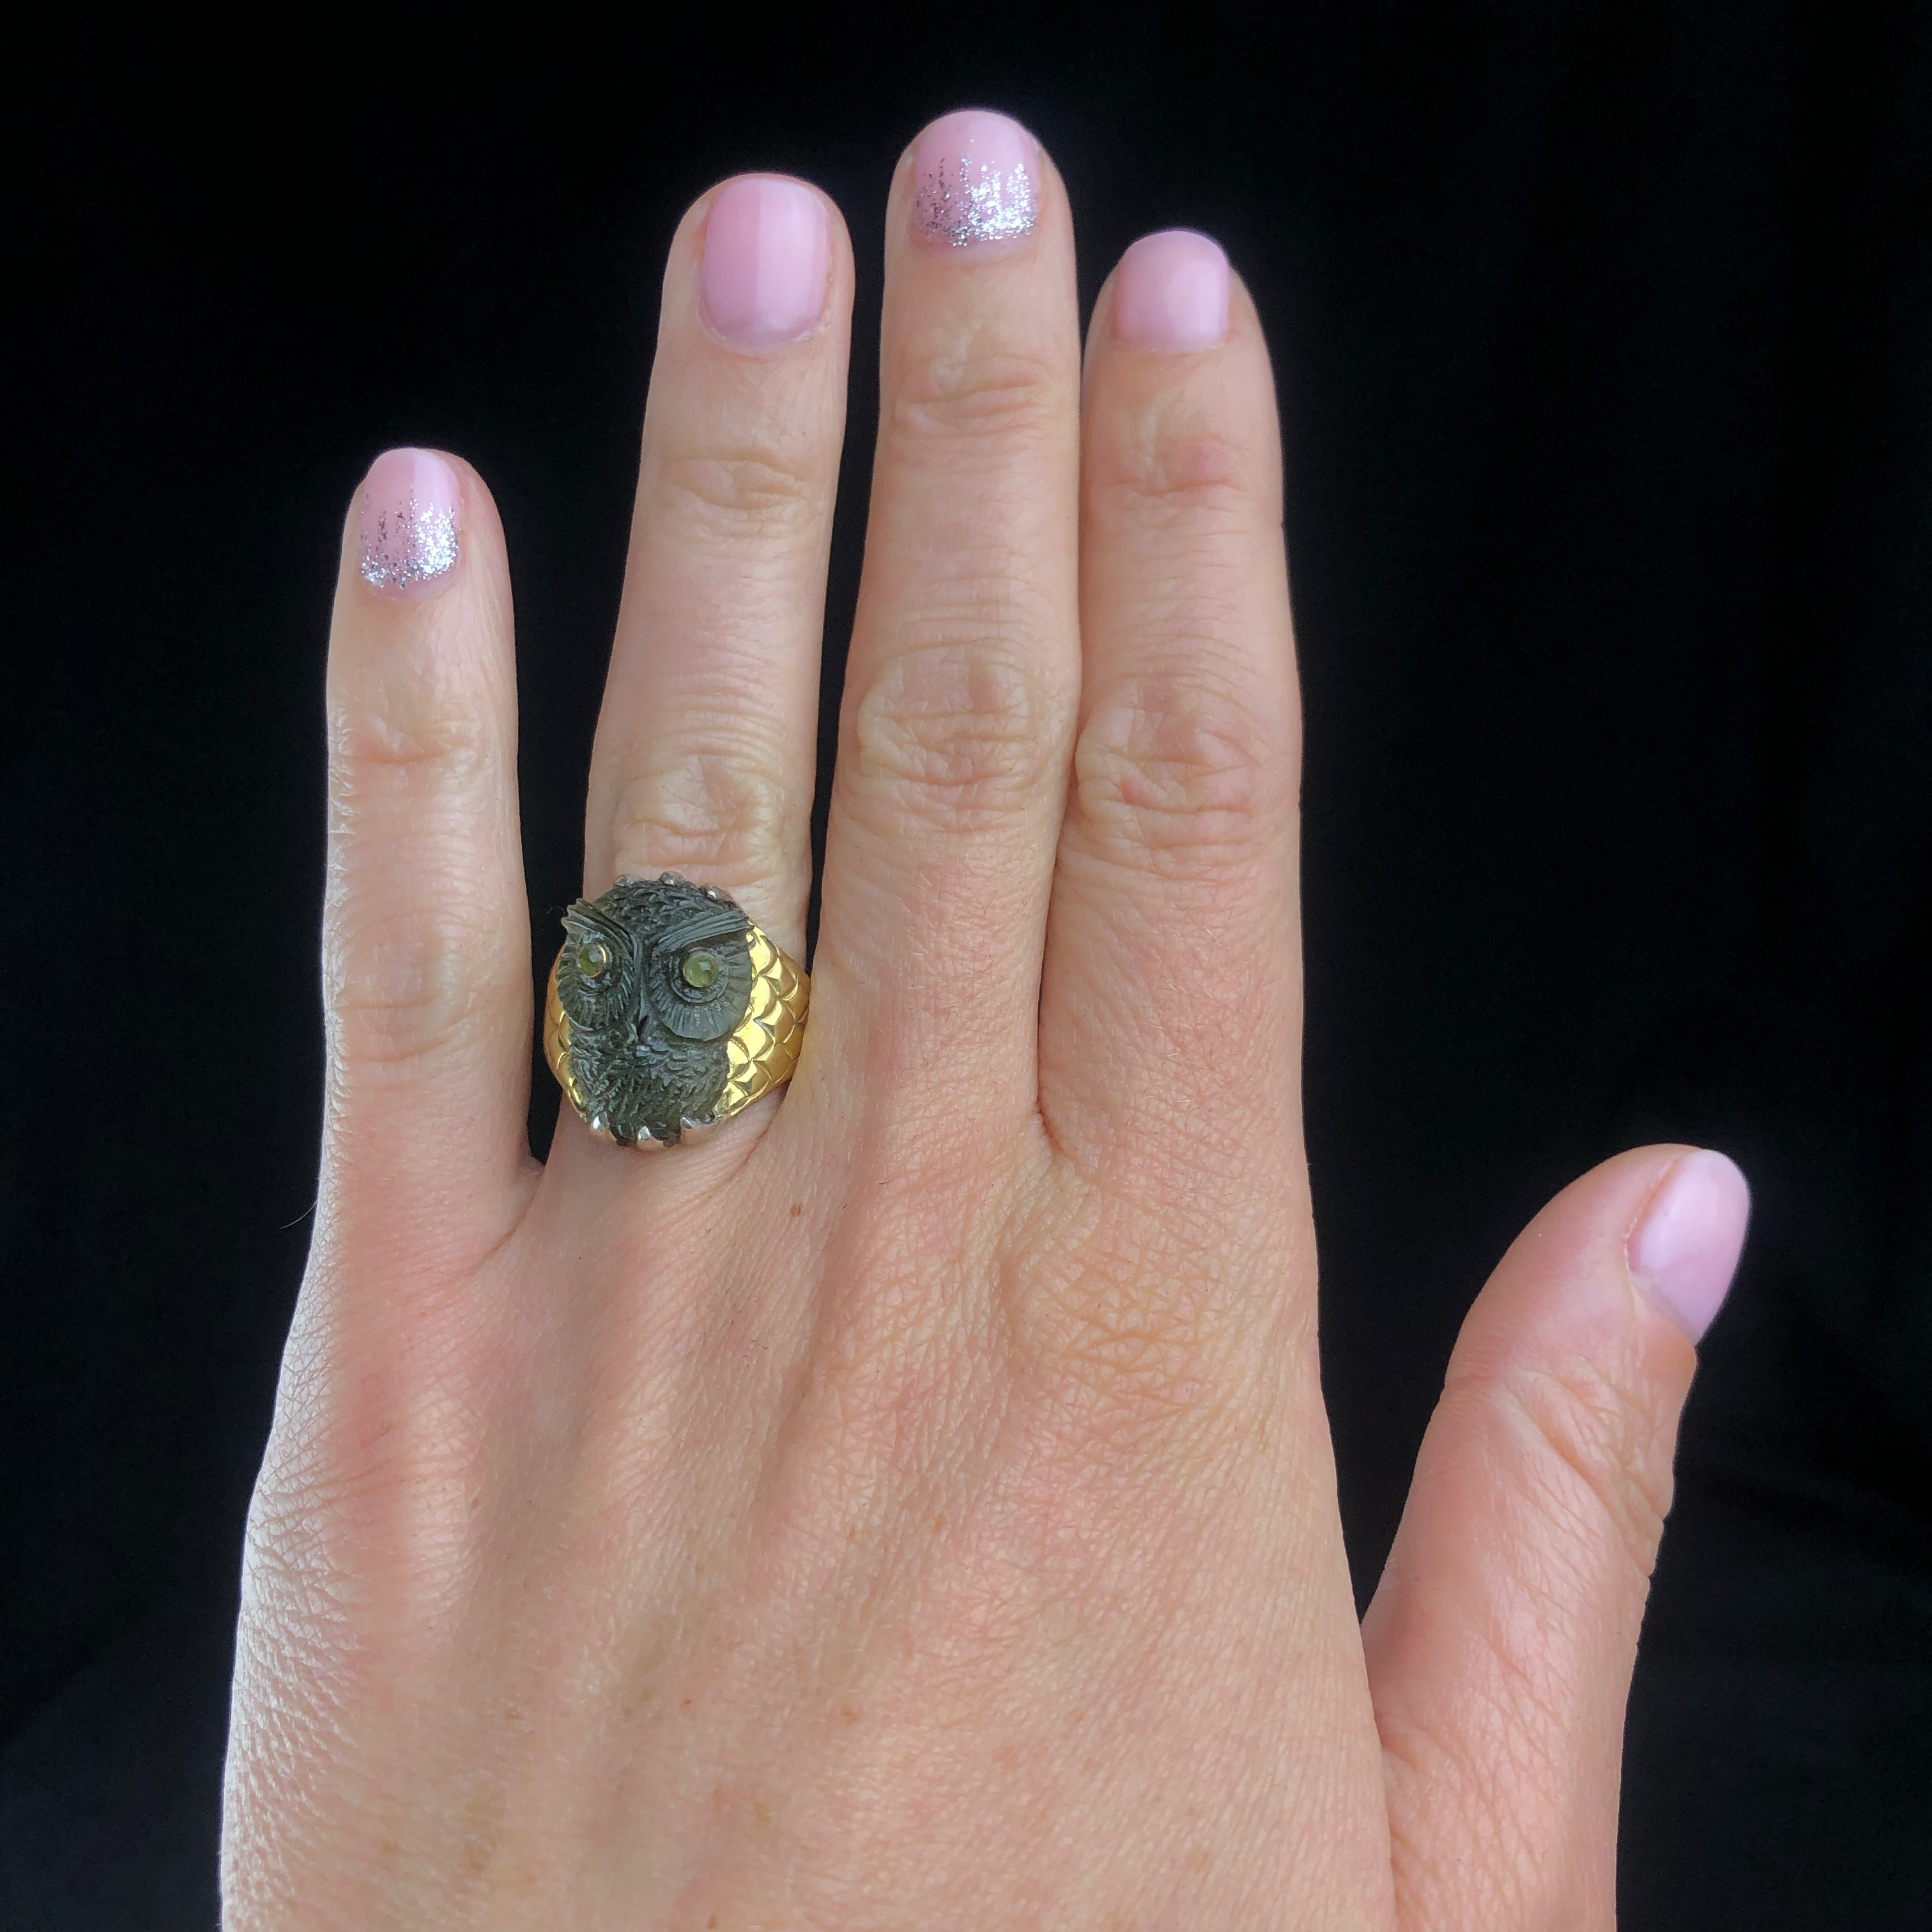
<point x="1171" y="293"/>
<point x="410" y="538"/>
<point x="766" y="247"/>
<point x="975" y="180"/>
<point x="1684" y="1251"/>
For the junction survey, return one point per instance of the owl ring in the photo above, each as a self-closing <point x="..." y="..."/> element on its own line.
<point x="669" y="1010"/>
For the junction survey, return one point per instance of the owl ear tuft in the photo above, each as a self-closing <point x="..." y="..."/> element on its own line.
<point x="583" y="919"/>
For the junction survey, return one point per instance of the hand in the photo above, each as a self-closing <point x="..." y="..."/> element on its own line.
<point x="913" y="1507"/>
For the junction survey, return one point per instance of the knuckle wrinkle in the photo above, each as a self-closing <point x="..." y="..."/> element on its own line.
<point x="1608" y="1439"/>
<point x="957" y="727"/>
<point x="757" y="496"/>
<point x="1165" y="764"/>
<point x="974" y="394"/>
<point x="715" y="811"/>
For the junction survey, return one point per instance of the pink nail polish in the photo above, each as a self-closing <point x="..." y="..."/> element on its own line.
<point x="766" y="248"/>
<point x="411" y="541"/>
<point x="1171" y="293"/>
<point x="975" y="180"/>
<point x="1684" y="1251"/>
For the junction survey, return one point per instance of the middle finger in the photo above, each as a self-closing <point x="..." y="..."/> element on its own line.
<point x="963" y="680"/>
<point x="704" y="750"/>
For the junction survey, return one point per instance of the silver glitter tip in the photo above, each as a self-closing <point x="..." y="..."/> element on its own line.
<point x="408" y="545"/>
<point x="967" y="201"/>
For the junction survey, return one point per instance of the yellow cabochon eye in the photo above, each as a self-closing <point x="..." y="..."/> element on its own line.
<point x="593" y="959"/>
<point x="699" y="969"/>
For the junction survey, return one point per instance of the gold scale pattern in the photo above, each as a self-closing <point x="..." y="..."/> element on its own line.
<point x="759" y="1054"/>
<point x="764" y="1049"/>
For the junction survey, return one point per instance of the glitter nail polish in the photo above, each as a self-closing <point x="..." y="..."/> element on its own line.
<point x="410" y="538"/>
<point x="973" y="180"/>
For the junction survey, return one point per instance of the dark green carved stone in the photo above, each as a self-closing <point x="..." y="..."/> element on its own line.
<point x="647" y="1045"/>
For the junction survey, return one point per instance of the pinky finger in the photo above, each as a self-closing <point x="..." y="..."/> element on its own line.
<point x="425" y="947"/>
<point x="1500" y="1641"/>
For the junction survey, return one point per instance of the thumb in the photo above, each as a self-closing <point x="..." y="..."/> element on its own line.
<point x="1501" y="1639"/>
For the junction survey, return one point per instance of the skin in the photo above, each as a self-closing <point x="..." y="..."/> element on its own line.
<point x="913" y="1507"/>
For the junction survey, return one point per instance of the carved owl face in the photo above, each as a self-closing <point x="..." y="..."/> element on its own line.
<point x="654" y="977"/>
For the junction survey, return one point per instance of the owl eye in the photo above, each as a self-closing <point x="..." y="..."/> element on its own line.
<point x="699" y="969"/>
<point x="593" y="959"/>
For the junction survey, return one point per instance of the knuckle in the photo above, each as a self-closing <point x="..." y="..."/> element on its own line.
<point x="956" y="730"/>
<point x="752" y="497"/>
<point x="1606" y="1453"/>
<point x="716" y="811"/>
<point x="1201" y="481"/>
<point x="409" y="969"/>
<point x="407" y="985"/>
<point x="376" y="747"/>
<point x="1167" y="766"/>
<point x="972" y="394"/>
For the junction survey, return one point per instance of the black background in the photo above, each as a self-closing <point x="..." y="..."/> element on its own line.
<point x="1604" y="337"/>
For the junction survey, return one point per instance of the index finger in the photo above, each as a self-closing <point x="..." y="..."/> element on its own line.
<point x="426" y="974"/>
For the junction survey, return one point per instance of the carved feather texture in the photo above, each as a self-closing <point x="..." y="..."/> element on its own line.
<point x="645" y="1046"/>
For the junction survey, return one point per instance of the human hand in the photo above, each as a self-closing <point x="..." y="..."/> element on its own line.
<point x="914" y="1506"/>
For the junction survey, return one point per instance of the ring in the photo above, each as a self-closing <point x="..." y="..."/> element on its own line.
<point x="669" y="1010"/>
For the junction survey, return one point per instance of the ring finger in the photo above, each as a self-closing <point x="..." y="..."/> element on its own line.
<point x="704" y="751"/>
